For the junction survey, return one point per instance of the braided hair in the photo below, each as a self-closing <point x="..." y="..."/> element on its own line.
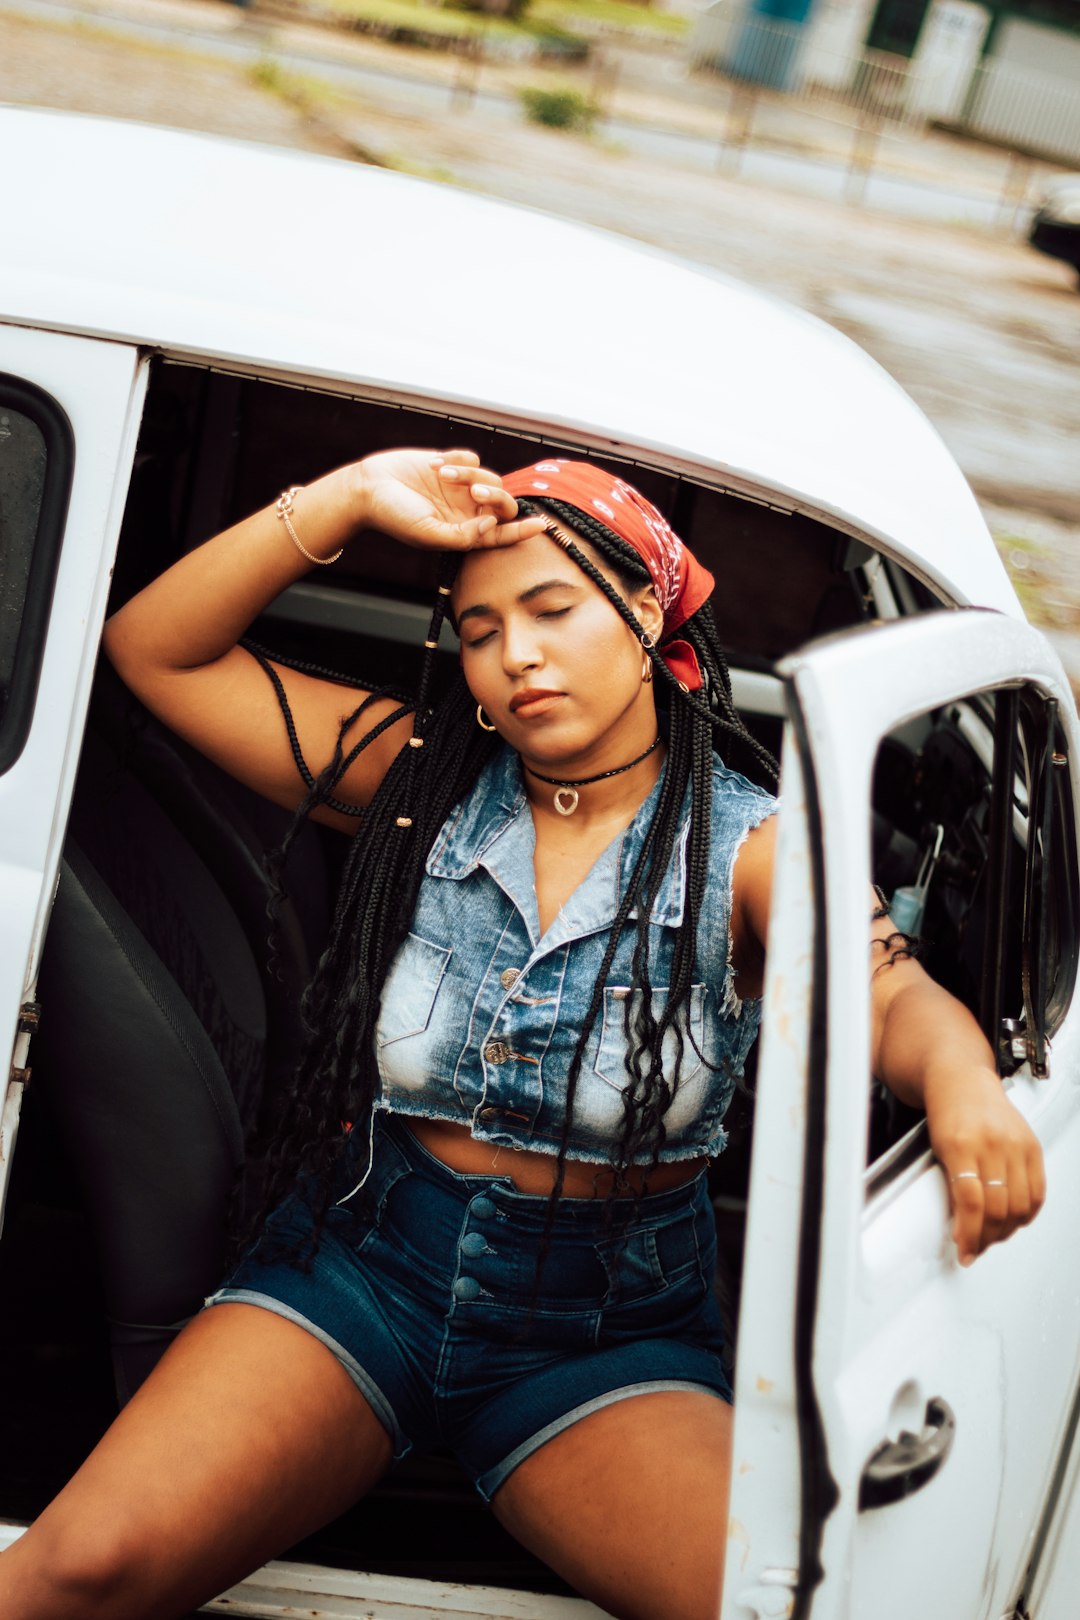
<point x="337" y="1079"/>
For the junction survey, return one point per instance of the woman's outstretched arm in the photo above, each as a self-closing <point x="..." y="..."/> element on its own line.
<point x="175" y="643"/>
<point x="929" y="1051"/>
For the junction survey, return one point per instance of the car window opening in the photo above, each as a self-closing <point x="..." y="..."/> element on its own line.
<point x="971" y="830"/>
<point x="180" y="850"/>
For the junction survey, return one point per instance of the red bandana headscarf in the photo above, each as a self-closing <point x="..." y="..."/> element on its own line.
<point x="681" y="583"/>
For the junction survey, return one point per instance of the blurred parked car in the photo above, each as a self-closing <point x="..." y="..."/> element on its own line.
<point x="1055" y="228"/>
<point x="185" y="325"/>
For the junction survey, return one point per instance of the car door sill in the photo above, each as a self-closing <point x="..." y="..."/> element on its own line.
<point x="283" y="1589"/>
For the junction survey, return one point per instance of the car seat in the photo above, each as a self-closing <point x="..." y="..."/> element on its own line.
<point x="166" y="1031"/>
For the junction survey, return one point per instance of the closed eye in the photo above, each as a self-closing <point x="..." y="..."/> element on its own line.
<point x="545" y="613"/>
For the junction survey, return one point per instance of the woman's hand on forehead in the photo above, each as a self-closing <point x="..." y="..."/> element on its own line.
<point x="444" y="501"/>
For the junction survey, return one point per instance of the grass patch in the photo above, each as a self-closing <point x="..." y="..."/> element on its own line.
<point x="406" y="18"/>
<point x="556" y="19"/>
<point x="317" y="102"/>
<point x="308" y="96"/>
<point x="563" y="108"/>
<point x="1006" y="541"/>
<point x="592" y="16"/>
<point x="420" y="171"/>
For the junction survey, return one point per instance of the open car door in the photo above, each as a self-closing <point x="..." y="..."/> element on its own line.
<point x="69" y="410"/>
<point x="900" y="1419"/>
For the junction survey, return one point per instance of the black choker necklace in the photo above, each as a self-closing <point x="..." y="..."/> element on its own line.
<point x="568" y="791"/>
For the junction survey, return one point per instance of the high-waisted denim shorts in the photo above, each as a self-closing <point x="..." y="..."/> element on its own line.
<point x="425" y="1290"/>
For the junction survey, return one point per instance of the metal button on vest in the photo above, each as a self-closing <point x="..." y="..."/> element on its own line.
<point x="497" y="1051"/>
<point x="482" y="1208"/>
<point x="487" y="1116"/>
<point x="474" y="1243"/>
<point x="509" y="977"/>
<point x="466" y="1288"/>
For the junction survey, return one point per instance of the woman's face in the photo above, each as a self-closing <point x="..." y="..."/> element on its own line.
<point x="547" y="656"/>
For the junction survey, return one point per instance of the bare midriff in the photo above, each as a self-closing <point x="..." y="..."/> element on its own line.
<point x="532" y="1172"/>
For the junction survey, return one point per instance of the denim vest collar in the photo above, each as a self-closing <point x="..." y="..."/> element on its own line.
<point x="493" y="828"/>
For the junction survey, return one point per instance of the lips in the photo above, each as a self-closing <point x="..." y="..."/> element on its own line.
<point x="535" y="700"/>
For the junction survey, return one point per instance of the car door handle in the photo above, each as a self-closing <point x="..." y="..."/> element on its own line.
<point x="899" y="1467"/>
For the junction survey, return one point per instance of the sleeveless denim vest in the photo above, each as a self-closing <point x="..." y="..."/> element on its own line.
<point x="480" y="1013"/>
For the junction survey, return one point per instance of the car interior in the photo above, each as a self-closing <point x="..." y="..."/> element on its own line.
<point x="168" y="1026"/>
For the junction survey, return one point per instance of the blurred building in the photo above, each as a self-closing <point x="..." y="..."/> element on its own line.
<point x="1009" y="76"/>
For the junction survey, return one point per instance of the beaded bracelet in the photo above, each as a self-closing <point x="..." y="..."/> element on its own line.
<point x="284" y="509"/>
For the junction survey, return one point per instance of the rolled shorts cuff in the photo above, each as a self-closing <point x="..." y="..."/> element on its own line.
<point x="487" y="1484"/>
<point x="363" y="1380"/>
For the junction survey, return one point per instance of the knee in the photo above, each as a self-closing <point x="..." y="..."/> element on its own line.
<point x="56" y="1573"/>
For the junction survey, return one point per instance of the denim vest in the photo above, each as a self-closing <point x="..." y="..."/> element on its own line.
<point x="481" y="1014"/>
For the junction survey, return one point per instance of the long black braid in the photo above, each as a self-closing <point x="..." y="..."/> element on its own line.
<point x="692" y="721"/>
<point x="337" y="1079"/>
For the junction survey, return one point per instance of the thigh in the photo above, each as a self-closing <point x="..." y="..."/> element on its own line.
<point x="630" y="1505"/>
<point x="247" y="1436"/>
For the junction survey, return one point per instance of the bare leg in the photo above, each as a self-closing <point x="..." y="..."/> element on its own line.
<point x="630" y="1505"/>
<point x="246" y="1437"/>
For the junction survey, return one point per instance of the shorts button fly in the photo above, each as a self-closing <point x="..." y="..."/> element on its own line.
<point x="466" y="1288"/>
<point x="474" y="1243"/>
<point x="483" y="1208"/>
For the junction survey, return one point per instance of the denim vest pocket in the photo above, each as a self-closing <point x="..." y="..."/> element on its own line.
<point x="611" y="1056"/>
<point x="410" y="990"/>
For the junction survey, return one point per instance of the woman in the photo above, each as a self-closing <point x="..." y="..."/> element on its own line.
<point x="540" y="987"/>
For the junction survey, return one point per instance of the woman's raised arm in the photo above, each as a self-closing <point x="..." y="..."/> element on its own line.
<point x="175" y="643"/>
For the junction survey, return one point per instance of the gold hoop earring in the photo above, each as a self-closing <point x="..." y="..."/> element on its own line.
<point x="646" y="663"/>
<point x="482" y="721"/>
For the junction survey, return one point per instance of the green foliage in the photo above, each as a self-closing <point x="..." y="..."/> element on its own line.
<point x="511" y="10"/>
<point x="267" y="74"/>
<point x="609" y="16"/>
<point x="566" y="108"/>
<point x="558" y="23"/>
<point x="407" y="22"/>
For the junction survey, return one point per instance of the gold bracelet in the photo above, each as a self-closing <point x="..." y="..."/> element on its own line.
<point x="284" y="509"/>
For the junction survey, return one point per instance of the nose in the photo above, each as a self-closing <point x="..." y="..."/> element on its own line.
<point x="521" y="645"/>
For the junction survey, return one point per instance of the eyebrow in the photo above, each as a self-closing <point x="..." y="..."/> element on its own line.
<point x="483" y="610"/>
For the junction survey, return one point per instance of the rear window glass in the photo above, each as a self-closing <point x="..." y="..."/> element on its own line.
<point x="35" y="477"/>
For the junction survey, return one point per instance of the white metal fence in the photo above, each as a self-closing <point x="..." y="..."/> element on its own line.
<point x="781" y="56"/>
<point x="1030" y="111"/>
<point x="1025" y="109"/>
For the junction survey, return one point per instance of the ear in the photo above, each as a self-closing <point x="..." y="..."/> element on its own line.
<point x="648" y="611"/>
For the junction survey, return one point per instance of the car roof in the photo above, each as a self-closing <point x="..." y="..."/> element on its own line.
<point x="316" y="268"/>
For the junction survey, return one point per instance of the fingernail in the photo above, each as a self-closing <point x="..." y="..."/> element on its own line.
<point x="450" y="472"/>
<point x="486" y="525"/>
<point x="481" y="491"/>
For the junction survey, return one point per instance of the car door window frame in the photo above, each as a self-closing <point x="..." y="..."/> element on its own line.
<point x="18" y="395"/>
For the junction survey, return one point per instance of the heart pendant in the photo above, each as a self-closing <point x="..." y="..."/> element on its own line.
<point x="570" y="795"/>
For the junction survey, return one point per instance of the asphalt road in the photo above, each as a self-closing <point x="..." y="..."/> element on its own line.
<point x="945" y="198"/>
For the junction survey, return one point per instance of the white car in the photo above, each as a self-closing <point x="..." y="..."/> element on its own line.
<point x="185" y="326"/>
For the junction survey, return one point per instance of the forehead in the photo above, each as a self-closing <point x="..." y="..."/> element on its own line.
<point x="497" y="575"/>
